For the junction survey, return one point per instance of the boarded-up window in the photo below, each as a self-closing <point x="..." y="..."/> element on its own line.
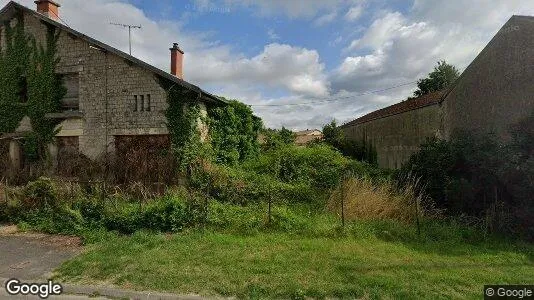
<point x="72" y="83"/>
<point x="68" y="155"/>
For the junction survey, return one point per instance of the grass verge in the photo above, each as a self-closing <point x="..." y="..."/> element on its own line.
<point x="281" y="265"/>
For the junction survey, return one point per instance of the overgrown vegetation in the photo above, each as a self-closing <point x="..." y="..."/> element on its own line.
<point x="475" y="175"/>
<point x="30" y="86"/>
<point x="234" y="133"/>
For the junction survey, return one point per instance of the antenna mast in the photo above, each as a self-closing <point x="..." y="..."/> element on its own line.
<point x="129" y="32"/>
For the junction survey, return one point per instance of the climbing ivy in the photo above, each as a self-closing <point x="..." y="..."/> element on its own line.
<point x="234" y="132"/>
<point x="183" y="118"/>
<point x="13" y="67"/>
<point x="30" y="86"/>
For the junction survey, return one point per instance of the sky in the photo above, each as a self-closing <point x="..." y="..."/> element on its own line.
<point x="299" y="63"/>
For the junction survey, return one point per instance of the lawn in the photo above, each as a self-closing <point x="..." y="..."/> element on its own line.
<point x="281" y="265"/>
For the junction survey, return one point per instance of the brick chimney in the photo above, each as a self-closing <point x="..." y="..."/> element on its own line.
<point x="177" y="61"/>
<point x="48" y="8"/>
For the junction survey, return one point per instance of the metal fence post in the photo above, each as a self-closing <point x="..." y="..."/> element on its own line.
<point x="343" y="201"/>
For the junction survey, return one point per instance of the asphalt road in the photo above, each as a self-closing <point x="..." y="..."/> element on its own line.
<point x="32" y="257"/>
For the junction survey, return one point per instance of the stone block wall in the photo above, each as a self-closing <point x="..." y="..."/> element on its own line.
<point x="109" y="83"/>
<point x="397" y="137"/>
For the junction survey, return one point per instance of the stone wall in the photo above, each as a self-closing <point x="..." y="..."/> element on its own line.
<point x="497" y="89"/>
<point x="396" y="137"/>
<point x="106" y="83"/>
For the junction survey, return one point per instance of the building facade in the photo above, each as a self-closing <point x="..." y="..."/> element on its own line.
<point x="110" y="95"/>
<point x="494" y="92"/>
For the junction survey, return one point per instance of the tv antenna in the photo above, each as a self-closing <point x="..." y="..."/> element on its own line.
<point x="129" y="32"/>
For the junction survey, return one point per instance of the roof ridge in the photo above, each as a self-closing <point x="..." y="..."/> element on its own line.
<point x="115" y="51"/>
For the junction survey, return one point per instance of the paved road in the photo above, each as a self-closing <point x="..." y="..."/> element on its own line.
<point x="32" y="257"/>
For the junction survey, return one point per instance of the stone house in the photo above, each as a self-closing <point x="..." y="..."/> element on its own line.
<point x="111" y="98"/>
<point x="305" y="136"/>
<point x="494" y="92"/>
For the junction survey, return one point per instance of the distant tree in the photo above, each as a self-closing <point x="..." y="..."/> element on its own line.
<point x="440" y="78"/>
<point x="277" y="138"/>
<point x="333" y="135"/>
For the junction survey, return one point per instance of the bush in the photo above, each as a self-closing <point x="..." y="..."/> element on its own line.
<point x="40" y="193"/>
<point x="473" y="174"/>
<point x="319" y="166"/>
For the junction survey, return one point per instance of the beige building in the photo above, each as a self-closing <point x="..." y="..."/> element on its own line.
<point x="111" y="96"/>
<point x="495" y="91"/>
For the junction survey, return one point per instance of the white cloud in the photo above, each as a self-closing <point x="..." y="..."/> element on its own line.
<point x="272" y="34"/>
<point x="325" y="19"/>
<point x="354" y="13"/>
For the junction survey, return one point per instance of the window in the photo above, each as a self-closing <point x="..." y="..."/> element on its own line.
<point x="71" y="99"/>
<point x="142" y="103"/>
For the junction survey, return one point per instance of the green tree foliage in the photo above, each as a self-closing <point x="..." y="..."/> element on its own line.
<point x="275" y="139"/>
<point x="234" y="132"/>
<point x="440" y="78"/>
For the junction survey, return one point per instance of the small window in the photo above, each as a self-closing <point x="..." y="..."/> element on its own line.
<point x="135" y="103"/>
<point x="148" y="102"/>
<point x="142" y="104"/>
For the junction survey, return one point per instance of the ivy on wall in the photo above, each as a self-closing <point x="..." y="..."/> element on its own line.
<point x="183" y="115"/>
<point x="234" y="132"/>
<point x="30" y="86"/>
<point x="13" y="67"/>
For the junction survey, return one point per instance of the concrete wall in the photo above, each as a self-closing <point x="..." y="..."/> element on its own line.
<point x="398" y="136"/>
<point x="497" y="89"/>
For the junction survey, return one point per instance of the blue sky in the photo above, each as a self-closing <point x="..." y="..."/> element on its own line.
<point x="288" y="52"/>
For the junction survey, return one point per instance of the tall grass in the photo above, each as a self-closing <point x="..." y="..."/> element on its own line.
<point x="363" y="199"/>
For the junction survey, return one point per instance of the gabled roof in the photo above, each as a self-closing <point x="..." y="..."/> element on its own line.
<point x="407" y="105"/>
<point x="10" y="9"/>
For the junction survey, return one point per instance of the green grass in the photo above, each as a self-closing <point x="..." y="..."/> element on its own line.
<point x="281" y="265"/>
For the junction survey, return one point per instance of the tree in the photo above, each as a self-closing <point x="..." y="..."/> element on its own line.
<point x="333" y="135"/>
<point x="440" y="78"/>
<point x="277" y="138"/>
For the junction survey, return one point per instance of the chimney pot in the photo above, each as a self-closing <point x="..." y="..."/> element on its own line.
<point x="177" y="60"/>
<point x="48" y="8"/>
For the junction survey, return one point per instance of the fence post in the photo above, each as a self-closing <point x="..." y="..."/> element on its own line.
<point x="269" y="215"/>
<point x="343" y="178"/>
<point x="6" y="194"/>
<point x="417" y="217"/>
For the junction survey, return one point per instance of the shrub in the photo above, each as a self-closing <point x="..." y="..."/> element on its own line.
<point x="40" y="193"/>
<point x="319" y="166"/>
<point x="473" y="174"/>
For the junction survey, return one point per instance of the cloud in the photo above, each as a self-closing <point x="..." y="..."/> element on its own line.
<point x="296" y="69"/>
<point x="325" y="19"/>
<point x="354" y="13"/>
<point x="272" y="35"/>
